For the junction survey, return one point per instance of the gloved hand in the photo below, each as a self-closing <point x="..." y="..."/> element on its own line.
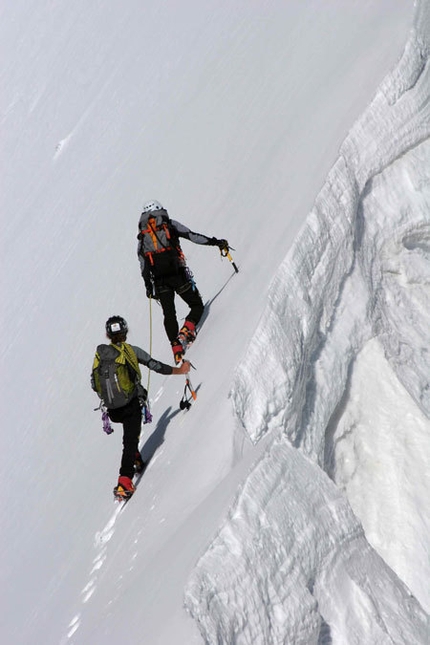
<point x="221" y="244"/>
<point x="149" y="290"/>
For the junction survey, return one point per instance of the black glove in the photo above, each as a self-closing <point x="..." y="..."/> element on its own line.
<point x="221" y="244"/>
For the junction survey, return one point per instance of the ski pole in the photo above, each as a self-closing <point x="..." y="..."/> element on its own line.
<point x="225" y="253"/>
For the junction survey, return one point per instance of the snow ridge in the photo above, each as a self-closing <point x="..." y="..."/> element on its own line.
<point x="306" y="294"/>
<point x="291" y="563"/>
<point x="292" y="550"/>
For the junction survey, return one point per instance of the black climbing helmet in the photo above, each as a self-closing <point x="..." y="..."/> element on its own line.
<point x="115" y="326"/>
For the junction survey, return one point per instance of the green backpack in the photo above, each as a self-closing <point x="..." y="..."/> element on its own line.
<point x="116" y="374"/>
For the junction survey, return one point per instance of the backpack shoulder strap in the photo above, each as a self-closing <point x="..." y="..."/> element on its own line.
<point x="130" y="358"/>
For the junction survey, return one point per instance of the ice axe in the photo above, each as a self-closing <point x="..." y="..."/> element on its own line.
<point x="225" y="253"/>
<point x="185" y="402"/>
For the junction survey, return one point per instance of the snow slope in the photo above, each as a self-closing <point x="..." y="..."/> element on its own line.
<point x="225" y="112"/>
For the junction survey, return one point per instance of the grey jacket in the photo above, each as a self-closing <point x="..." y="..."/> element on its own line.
<point x="145" y="359"/>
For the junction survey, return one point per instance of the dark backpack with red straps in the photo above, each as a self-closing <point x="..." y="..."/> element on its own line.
<point x="159" y="243"/>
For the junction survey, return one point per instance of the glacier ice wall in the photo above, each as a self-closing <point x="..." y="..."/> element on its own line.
<point x="320" y="307"/>
<point x="291" y="563"/>
<point x="291" y="551"/>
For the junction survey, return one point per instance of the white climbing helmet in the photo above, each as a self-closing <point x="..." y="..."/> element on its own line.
<point x="151" y="206"/>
